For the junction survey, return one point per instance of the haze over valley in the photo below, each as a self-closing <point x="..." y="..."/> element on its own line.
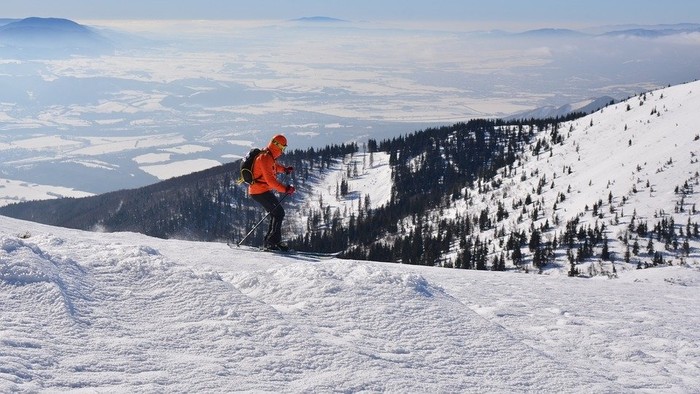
<point x="125" y="103"/>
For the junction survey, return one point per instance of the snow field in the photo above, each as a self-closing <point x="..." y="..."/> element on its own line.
<point x="375" y="321"/>
<point x="125" y="312"/>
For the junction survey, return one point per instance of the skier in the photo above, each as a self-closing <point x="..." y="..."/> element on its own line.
<point x="265" y="170"/>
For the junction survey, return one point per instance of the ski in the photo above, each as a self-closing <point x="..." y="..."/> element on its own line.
<point x="293" y="252"/>
<point x="290" y="252"/>
<point x="311" y="256"/>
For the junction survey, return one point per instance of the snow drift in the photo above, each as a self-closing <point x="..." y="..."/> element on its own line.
<point x="124" y="312"/>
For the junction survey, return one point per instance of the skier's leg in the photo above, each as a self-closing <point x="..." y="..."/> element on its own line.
<point x="273" y="206"/>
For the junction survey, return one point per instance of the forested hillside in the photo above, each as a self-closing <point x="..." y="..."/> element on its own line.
<point x="616" y="189"/>
<point x="208" y="205"/>
<point x="429" y="168"/>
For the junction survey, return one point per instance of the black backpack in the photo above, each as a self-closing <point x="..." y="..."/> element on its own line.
<point x="247" y="166"/>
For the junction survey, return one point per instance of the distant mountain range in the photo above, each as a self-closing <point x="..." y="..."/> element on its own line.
<point x="50" y="36"/>
<point x="583" y="107"/>
<point x="322" y="19"/>
<point x="563" y="33"/>
<point x="650" y="33"/>
<point x="40" y="37"/>
<point x="642" y="31"/>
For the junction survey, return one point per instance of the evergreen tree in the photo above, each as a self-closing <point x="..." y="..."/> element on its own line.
<point x="573" y="271"/>
<point x="605" y="253"/>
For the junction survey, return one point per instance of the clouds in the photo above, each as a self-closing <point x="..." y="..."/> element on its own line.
<point x="357" y="70"/>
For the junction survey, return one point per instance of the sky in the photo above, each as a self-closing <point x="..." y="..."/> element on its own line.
<point x="553" y="12"/>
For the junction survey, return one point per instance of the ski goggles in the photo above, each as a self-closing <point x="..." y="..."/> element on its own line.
<point x="282" y="147"/>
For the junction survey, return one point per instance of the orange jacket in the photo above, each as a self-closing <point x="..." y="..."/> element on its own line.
<point x="265" y="170"/>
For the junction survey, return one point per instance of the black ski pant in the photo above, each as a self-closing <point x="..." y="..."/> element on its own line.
<point x="272" y="206"/>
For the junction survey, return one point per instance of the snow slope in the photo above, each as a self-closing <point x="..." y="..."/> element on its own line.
<point x="368" y="178"/>
<point x="634" y="158"/>
<point x="124" y="312"/>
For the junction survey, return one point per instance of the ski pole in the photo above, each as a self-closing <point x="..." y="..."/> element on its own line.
<point x="261" y="220"/>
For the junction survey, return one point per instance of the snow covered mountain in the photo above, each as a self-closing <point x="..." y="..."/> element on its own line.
<point x="610" y="191"/>
<point x="629" y="170"/>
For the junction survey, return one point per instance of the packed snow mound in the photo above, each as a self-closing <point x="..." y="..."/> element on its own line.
<point x="292" y="283"/>
<point x="125" y="312"/>
<point x="25" y="264"/>
<point x="108" y="312"/>
<point x="77" y="322"/>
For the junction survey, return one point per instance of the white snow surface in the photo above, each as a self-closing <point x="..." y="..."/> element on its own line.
<point x="178" y="168"/>
<point x="12" y="191"/>
<point x="122" y="312"/>
<point x="369" y="180"/>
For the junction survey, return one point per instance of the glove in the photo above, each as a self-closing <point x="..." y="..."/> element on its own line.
<point x="290" y="190"/>
<point x="288" y="170"/>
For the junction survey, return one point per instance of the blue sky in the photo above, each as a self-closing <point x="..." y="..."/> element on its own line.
<point x="549" y="12"/>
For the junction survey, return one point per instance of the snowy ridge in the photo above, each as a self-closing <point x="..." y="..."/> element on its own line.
<point x="125" y="312"/>
<point x="630" y="163"/>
